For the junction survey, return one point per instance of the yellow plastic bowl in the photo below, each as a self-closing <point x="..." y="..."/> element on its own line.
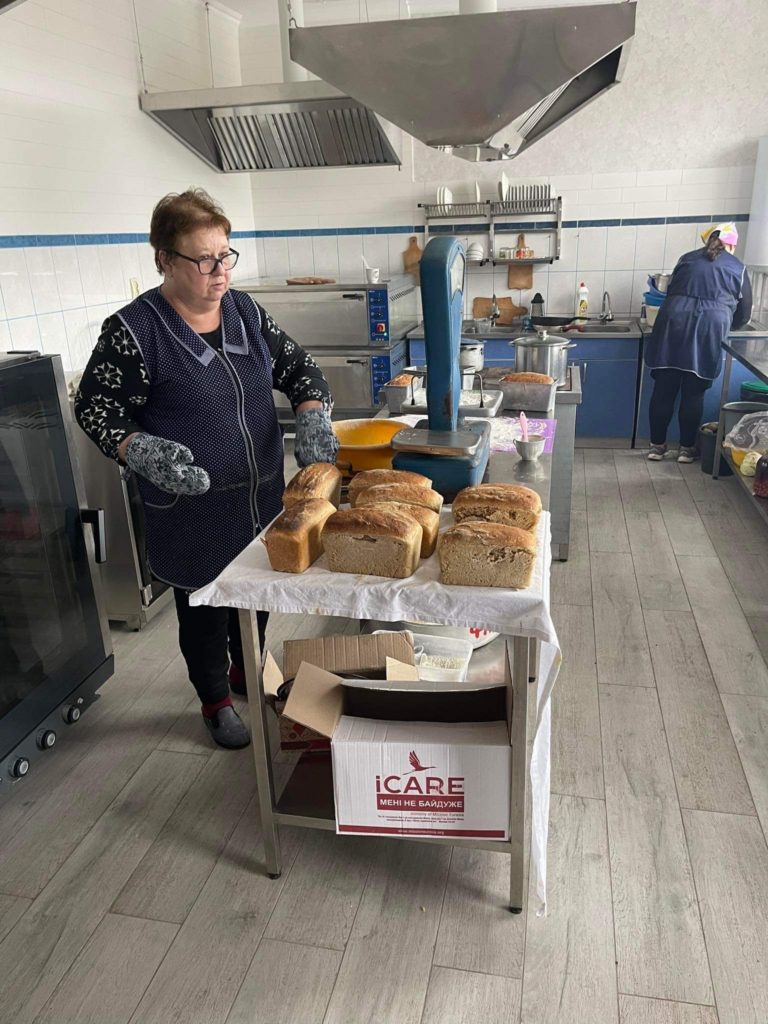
<point x="366" y="444"/>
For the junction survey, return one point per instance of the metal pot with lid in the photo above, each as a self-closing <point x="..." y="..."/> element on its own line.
<point x="543" y="354"/>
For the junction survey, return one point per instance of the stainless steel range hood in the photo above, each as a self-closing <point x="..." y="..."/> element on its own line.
<point x="273" y="127"/>
<point x="482" y="86"/>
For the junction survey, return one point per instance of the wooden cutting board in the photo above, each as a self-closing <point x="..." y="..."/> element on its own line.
<point x="520" y="277"/>
<point x="412" y="257"/>
<point x="481" y="309"/>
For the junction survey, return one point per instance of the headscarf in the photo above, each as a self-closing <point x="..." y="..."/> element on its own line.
<point x="728" y="233"/>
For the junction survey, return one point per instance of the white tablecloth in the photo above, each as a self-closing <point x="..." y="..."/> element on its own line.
<point x="249" y="582"/>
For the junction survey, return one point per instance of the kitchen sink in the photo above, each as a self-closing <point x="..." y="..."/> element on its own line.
<point x="492" y="332"/>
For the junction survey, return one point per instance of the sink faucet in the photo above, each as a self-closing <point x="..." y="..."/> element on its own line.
<point x="495" y="313"/>
<point x="606" y="313"/>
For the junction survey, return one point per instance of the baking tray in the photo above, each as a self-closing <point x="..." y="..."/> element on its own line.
<point x="492" y="398"/>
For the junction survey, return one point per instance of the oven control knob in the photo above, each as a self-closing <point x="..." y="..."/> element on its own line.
<point x="46" y="739"/>
<point x="19" y="767"/>
<point x="71" y="713"/>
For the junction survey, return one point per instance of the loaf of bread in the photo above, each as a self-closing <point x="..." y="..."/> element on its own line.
<point x="372" y="542"/>
<point x="402" y="380"/>
<point x="509" y="504"/>
<point x="408" y="494"/>
<point x="474" y="554"/>
<point x="372" y="477"/>
<point x="319" y="480"/>
<point x="294" y="541"/>
<point x="428" y="520"/>
<point x="528" y="378"/>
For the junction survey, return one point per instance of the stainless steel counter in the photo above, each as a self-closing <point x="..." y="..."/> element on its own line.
<point x="515" y="330"/>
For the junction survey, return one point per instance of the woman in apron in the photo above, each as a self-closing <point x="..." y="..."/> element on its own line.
<point x="708" y="296"/>
<point x="179" y="389"/>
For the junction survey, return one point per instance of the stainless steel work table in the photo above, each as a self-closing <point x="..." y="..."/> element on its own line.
<point x="514" y="658"/>
<point x="751" y="352"/>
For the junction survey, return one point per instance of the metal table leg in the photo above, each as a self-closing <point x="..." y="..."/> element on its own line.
<point x="521" y="657"/>
<point x="260" y="741"/>
<point x="721" y="419"/>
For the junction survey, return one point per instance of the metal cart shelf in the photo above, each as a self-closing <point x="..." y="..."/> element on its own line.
<point x="751" y="352"/>
<point x="307" y="799"/>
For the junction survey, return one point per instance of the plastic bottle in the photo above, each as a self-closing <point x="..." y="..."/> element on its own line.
<point x="582" y="305"/>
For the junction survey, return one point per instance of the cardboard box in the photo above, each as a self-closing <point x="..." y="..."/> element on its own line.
<point x="353" y="654"/>
<point x="411" y="757"/>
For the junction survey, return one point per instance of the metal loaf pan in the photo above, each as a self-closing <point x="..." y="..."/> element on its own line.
<point x="530" y="397"/>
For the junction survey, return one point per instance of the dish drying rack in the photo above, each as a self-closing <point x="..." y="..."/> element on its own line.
<point x="522" y="201"/>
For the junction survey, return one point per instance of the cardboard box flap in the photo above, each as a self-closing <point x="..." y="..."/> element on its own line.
<point x="346" y="653"/>
<point x="272" y="676"/>
<point x="316" y="699"/>
<point x="399" y="670"/>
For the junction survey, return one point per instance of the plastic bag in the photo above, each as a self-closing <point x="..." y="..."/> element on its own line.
<point x="751" y="432"/>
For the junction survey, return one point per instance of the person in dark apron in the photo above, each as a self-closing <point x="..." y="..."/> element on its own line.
<point x="709" y="295"/>
<point x="179" y="389"/>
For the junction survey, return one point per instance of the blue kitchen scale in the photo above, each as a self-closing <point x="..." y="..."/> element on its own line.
<point x="452" y="452"/>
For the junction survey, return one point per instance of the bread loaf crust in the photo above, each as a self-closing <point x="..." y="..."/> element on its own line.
<point x="478" y="554"/>
<point x="402" y="380"/>
<point x="372" y="542"/>
<point x="294" y="540"/>
<point x="318" y="480"/>
<point x="528" y="378"/>
<point x="425" y="517"/>
<point x="408" y="494"/>
<point x="509" y="504"/>
<point x="374" y="477"/>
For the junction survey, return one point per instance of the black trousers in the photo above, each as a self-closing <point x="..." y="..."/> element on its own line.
<point x="668" y="384"/>
<point x="209" y="638"/>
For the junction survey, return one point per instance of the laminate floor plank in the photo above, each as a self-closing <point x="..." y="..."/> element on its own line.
<point x="734" y="657"/>
<point x="712" y="497"/>
<point x="578" y="485"/>
<point x="673" y="496"/>
<point x="637" y="493"/>
<point x="286" y="984"/>
<point x="571" y="581"/>
<point x="169" y="877"/>
<point x="607" y="526"/>
<point x="131" y="681"/>
<point x="688" y="533"/>
<point x="34" y="851"/>
<point x="667" y="469"/>
<point x="659" y="583"/>
<point x="199" y="979"/>
<point x="729" y="534"/>
<point x="461" y="997"/>
<point x="385" y="971"/>
<point x="748" y="573"/>
<point x="570" y="963"/>
<point x="318" y="903"/>
<point x="11" y="909"/>
<point x="660" y="948"/>
<point x="759" y="626"/>
<point x="43" y="945"/>
<point x="622" y="647"/>
<point x="577" y="756"/>
<point x="477" y="931"/>
<point x="748" y="719"/>
<point x="108" y="978"/>
<point x="730" y="865"/>
<point x="636" y="1010"/>
<point x="705" y="760"/>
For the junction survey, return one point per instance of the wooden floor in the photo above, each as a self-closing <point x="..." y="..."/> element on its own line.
<point x="131" y="886"/>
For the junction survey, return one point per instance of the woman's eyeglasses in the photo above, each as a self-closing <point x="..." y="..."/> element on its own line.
<point x="208" y="264"/>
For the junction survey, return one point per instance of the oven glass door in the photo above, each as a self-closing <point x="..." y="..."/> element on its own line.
<point x="51" y="636"/>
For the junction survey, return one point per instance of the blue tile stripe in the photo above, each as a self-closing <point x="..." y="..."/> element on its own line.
<point x="37" y="241"/>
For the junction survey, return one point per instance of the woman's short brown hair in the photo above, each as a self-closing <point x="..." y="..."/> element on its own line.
<point x="178" y="213"/>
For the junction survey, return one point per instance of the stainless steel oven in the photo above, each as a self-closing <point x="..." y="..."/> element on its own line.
<point x="355" y="333"/>
<point x="55" y="649"/>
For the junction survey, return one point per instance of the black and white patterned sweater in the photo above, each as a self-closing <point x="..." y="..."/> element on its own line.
<point x="116" y="382"/>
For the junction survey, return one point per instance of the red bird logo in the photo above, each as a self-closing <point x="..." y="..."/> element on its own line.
<point x="416" y="765"/>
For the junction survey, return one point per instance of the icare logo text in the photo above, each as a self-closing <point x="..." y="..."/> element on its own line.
<point x="414" y="790"/>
